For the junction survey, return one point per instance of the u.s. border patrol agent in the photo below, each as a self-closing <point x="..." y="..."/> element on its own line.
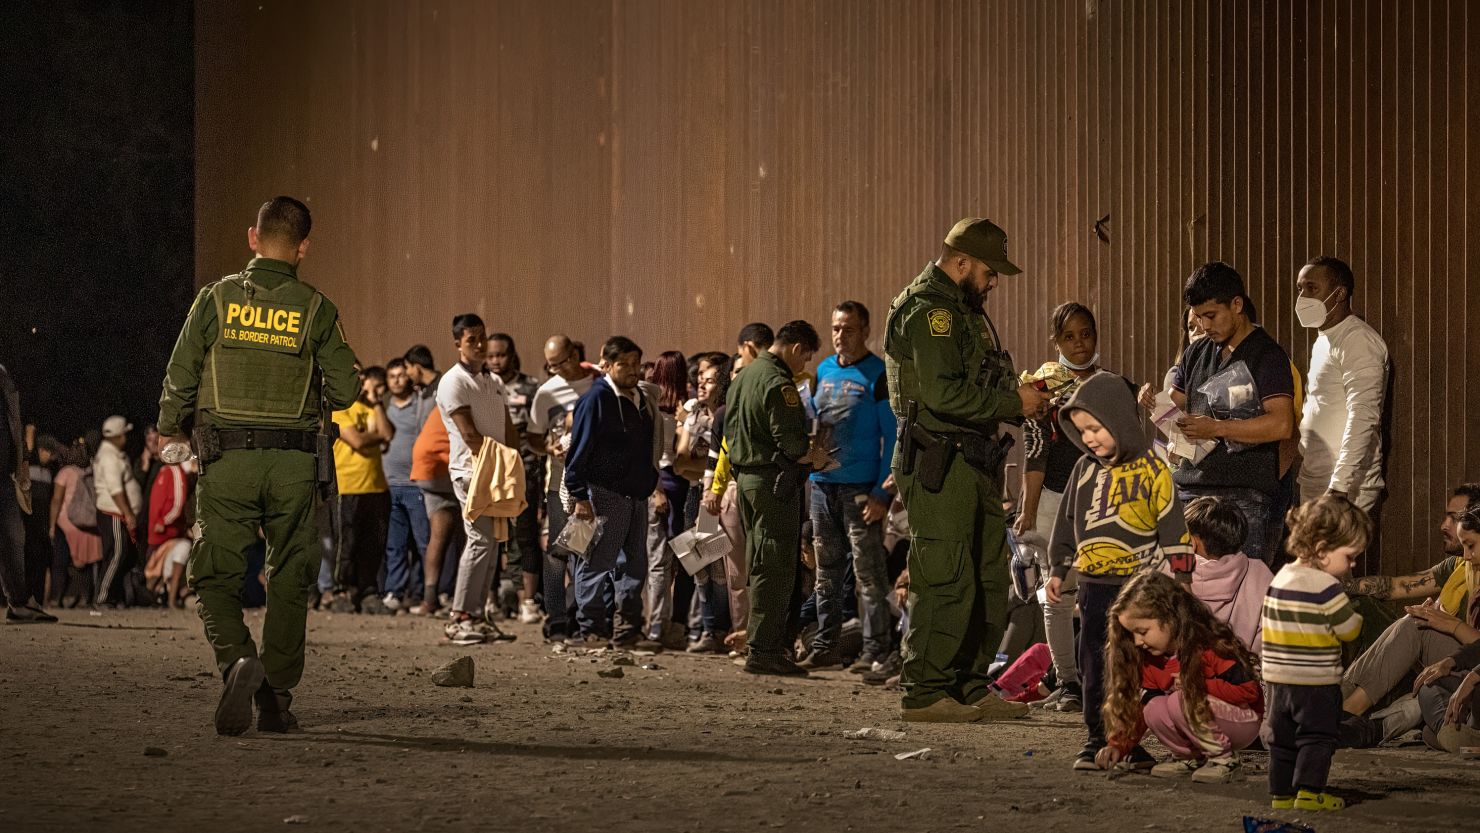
<point x="261" y="357"/>
<point x="951" y="384"/>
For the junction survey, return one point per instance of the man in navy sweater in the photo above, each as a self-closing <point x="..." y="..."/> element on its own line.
<point x="610" y="473"/>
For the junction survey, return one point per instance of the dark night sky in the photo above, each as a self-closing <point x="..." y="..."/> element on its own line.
<point x="96" y="205"/>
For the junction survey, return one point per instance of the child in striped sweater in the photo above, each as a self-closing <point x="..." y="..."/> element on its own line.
<point x="1306" y="618"/>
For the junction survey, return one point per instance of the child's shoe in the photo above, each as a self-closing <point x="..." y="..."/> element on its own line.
<point x="1308" y="800"/>
<point x="1281" y="802"/>
<point x="1224" y="769"/>
<point x="1174" y="769"/>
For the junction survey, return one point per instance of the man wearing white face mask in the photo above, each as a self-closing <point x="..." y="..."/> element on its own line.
<point x="1340" y="428"/>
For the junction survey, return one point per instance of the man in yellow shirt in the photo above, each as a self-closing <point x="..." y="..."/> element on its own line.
<point x="364" y="501"/>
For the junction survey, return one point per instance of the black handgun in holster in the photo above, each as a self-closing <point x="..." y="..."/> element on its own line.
<point x="788" y="483"/>
<point x="923" y="453"/>
<point x="207" y="443"/>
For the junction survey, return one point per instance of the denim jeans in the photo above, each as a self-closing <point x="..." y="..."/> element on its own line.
<point x="839" y="535"/>
<point x="616" y="564"/>
<point x="558" y="612"/>
<point x="1257" y="508"/>
<point x="408" y="524"/>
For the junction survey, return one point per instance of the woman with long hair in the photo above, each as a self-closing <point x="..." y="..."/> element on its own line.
<point x="670" y="590"/>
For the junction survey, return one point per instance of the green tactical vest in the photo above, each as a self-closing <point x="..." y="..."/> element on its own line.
<point x="260" y="367"/>
<point x="994" y="366"/>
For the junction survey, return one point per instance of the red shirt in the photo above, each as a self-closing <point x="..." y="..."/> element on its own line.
<point x="167" y="497"/>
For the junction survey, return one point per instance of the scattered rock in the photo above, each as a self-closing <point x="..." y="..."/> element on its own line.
<point x="296" y="820"/>
<point x="611" y="673"/>
<point x="154" y="752"/>
<point x="623" y="660"/>
<point x="458" y="673"/>
<point x="870" y="733"/>
<point x="918" y="754"/>
<point x="652" y="666"/>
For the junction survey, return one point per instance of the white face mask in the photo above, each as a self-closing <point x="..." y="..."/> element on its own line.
<point x="1312" y="312"/>
<point x="1094" y="360"/>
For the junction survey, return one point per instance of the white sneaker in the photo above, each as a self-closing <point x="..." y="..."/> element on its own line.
<point x="464" y="632"/>
<point x="391" y="602"/>
<point x="1221" y="770"/>
<point x="529" y="612"/>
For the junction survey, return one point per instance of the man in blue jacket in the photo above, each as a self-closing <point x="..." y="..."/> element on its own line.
<point x="849" y="503"/>
<point x="610" y="473"/>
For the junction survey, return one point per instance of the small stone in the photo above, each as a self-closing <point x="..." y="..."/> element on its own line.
<point x="458" y="673"/>
<point x="623" y="660"/>
<point x="296" y="820"/>
<point x="154" y="752"/>
<point x="611" y="673"/>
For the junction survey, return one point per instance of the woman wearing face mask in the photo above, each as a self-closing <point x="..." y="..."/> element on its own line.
<point x="1048" y="458"/>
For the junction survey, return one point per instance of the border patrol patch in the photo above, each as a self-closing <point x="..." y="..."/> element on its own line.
<point x="790" y="396"/>
<point x="940" y="322"/>
<point x="264" y="326"/>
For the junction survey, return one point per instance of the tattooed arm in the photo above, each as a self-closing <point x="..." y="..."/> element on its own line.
<point x="1417" y="586"/>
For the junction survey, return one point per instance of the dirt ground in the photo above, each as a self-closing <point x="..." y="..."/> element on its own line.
<point x="542" y="743"/>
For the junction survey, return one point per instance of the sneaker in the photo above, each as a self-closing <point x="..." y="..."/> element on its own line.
<point x="1139" y="760"/>
<point x="635" y="641"/>
<point x="234" y="711"/>
<point x="1085" y="760"/>
<point x="28" y="615"/>
<point x="392" y="602"/>
<point x="1174" y="769"/>
<point x="341" y="603"/>
<point x="463" y="632"/>
<point x="1051" y="702"/>
<point x="508" y="599"/>
<point x="1358" y="732"/>
<point x="423" y="609"/>
<point x="529" y="613"/>
<point x="589" y="641"/>
<point x="373" y="606"/>
<point x="821" y="660"/>
<point x="706" y="644"/>
<point x="1224" y="769"/>
<point x="491" y="632"/>
<point x="864" y="663"/>
<point x="1072" y="702"/>
<point x="1307" y="800"/>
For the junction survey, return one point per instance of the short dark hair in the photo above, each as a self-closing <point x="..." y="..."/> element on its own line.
<point x="756" y="333"/>
<point x="421" y="356"/>
<point x="1216" y="281"/>
<point x="284" y="219"/>
<point x="513" y="350"/>
<point x="853" y="308"/>
<point x="617" y="347"/>
<point x="1341" y="273"/>
<point x="1064" y="313"/>
<point x="464" y="322"/>
<point x="800" y="333"/>
<point x="1219" y="523"/>
<point x="579" y="347"/>
<point x="1470" y="492"/>
<point x="375" y="372"/>
<point x="398" y="361"/>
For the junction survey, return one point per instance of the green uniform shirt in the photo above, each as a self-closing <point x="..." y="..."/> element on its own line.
<point x="944" y="356"/>
<point x="325" y="346"/>
<point x="763" y="415"/>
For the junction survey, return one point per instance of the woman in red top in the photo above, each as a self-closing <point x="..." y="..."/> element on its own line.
<point x="169" y="532"/>
<point x="1181" y="673"/>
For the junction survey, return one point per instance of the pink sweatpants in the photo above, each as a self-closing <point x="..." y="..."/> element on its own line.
<point x="1233" y="727"/>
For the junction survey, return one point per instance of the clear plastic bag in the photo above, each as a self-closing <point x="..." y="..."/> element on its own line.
<point x="579" y="536"/>
<point x="1232" y="394"/>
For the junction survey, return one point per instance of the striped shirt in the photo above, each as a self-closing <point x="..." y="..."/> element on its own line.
<point x="1306" y="618"/>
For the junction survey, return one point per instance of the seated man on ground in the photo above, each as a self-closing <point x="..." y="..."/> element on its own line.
<point x="1431" y="634"/>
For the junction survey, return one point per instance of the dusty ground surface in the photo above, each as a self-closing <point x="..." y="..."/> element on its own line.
<point x="543" y="743"/>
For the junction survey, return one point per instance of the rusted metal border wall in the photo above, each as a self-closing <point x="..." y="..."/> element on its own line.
<point x="671" y="170"/>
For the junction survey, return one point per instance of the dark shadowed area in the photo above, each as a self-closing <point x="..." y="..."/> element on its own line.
<point x="97" y="179"/>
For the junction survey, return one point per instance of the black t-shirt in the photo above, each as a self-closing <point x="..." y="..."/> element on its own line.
<point x="1253" y="468"/>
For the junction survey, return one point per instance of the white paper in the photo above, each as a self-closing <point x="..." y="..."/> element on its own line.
<point x="1164" y="416"/>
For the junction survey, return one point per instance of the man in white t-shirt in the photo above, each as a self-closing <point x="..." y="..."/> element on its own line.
<point x="549" y="434"/>
<point x="119" y="497"/>
<point x="1340" y="430"/>
<point x="474" y="405"/>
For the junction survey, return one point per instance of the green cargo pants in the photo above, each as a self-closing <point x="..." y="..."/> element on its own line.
<point x="958" y="586"/>
<point x="773" y="548"/>
<point x="246" y="490"/>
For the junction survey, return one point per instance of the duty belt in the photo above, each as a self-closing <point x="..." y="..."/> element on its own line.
<point x="267" y="438"/>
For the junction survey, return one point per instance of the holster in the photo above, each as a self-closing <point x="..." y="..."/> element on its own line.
<point x="207" y="442"/>
<point x="933" y="454"/>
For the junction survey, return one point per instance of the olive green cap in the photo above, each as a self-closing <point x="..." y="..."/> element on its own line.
<point x="983" y="240"/>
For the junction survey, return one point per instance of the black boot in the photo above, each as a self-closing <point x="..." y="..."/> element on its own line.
<point x="234" y="712"/>
<point x="773" y="665"/>
<point x="272" y="710"/>
<point x="1359" y="732"/>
